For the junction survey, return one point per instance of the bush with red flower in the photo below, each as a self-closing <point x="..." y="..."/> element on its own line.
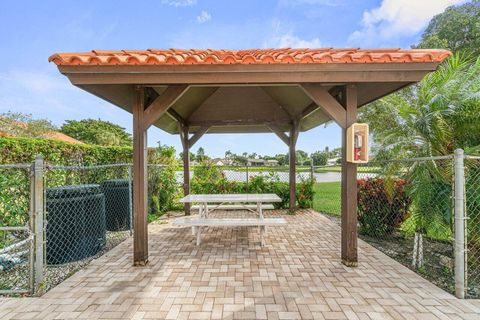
<point x="383" y="205"/>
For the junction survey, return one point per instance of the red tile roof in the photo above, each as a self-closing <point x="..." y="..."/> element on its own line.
<point x="55" y="135"/>
<point x="254" y="56"/>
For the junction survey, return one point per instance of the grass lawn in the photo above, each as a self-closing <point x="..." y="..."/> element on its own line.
<point x="267" y="169"/>
<point x="339" y="169"/>
<point x="327" y="197"/>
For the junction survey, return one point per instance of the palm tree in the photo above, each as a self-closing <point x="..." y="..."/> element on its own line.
<point x="433" y="118"/>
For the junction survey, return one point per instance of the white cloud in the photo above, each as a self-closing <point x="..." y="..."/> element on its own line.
<point x="179" y="3"/>
<point x="204" y="17"/>
<point x="289" y="40"/>
<point x="35" y="82"/>
<point x="397" y="18"/>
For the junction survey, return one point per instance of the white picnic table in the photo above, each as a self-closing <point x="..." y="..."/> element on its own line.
<point x="210" y="202"/>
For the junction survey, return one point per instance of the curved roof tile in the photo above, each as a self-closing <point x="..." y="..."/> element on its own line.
<point x="253" y="56"/>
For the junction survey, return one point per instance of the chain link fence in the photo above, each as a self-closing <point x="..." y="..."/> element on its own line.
<point x="406" y="209"/>
<point x="88" y="212"/>
<point x="472" y="195"/>
<point x="243" y="173"/>
<point x="16" y="248"/>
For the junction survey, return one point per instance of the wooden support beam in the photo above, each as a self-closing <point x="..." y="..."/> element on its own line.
<point x="197" y="135"/>
<point x="140" y="235"/>
<point x="349" y="184"/>
<point x="183" y="130"/>
<point x="326" y="101"/>
<point x="176" y="116"/>
<point x="162" y="103"/>
<point x="235" y="122"/>
<point x="312" y="107"/>
<point x="292" y="159"/>
<point x="275" y="129"/>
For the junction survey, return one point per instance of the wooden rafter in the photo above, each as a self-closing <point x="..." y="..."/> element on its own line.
<point x="162" y="103"/>
<point x="275" y="129"/>
<point x="312" y="107"/>
<point x="176" y="116"/>
<point x="233" y="122"/>
<point x="326" y="101"/>
<point x="197" y="135"/>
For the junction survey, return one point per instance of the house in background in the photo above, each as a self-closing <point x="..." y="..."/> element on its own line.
<point x="58" y="136"/>
<point x="218" y="162"/>
<point x="333" y="161"/>
<point x="255" y="162"/>
<point x="12" y="128"/>
<point x="271" y="162"/>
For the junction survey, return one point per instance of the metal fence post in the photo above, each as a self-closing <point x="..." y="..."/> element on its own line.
<point x="246" y="170"/>
<point x="460" y="252"/>
<point x="38" y="216"/>
<point x="311" y="169"/>
<point x="130" y="202"/>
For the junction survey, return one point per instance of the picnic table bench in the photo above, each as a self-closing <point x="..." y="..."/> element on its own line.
<point x="230" y="202"/>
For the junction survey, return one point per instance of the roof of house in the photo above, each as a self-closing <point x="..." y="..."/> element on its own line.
<point x="55" y="135"/>
<point x="253" y="56"/>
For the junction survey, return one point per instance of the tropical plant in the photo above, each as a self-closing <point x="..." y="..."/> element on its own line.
<point x="433" y="118"/>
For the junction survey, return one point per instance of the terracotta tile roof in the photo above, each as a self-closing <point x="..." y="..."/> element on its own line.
<point x="55" y="135"/>
<point x="254" y="56"/>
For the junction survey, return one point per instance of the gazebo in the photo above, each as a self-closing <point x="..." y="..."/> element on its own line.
<point x="284" y="91"/>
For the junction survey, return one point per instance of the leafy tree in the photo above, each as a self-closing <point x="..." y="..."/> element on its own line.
<point x="192" y="156"/>
<point x="457" y="29"/>
<point x="228" y="154"/>
<point x="23" y="125"/>
<point x="97" y="132"/>
<point x="282" y="158"/>
<point x="237" y="159"/>
<point x="320" y="158"/>
<point x="301" y="156"/>
<point x="435" y="117"/>
<point x="201" y="155"/>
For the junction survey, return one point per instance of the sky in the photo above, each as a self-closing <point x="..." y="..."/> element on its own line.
<point x="30" y="31"/>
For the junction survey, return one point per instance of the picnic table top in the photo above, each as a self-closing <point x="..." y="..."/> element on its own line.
<point x="248" y="197"/>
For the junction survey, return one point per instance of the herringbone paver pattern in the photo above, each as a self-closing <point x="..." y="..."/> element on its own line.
<point x="298" y="275"/>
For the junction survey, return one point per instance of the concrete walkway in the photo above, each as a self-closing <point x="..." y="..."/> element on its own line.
<point x="298" y="275"/>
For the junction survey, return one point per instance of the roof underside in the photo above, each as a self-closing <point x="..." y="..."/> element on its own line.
<point x="245" y="91"/>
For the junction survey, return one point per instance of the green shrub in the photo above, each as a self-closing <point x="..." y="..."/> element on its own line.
<point x="383" y="205"/>
<point x="163" y="189"/>
<point x="15" y="185"/>
<point x="305" y="193"/>
<point x="209" y="178"/>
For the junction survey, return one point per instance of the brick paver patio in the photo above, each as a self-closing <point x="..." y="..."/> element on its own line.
<point x="298" y="275"/>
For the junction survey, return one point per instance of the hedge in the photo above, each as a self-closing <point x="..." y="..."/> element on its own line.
<point x="24" y="150"/>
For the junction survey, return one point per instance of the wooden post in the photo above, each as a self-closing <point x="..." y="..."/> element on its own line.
<point x="291" y="163"/>
<point x="183" y="129"/>
<point x="140" y="236"/>
<point x="349" y="184"/>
